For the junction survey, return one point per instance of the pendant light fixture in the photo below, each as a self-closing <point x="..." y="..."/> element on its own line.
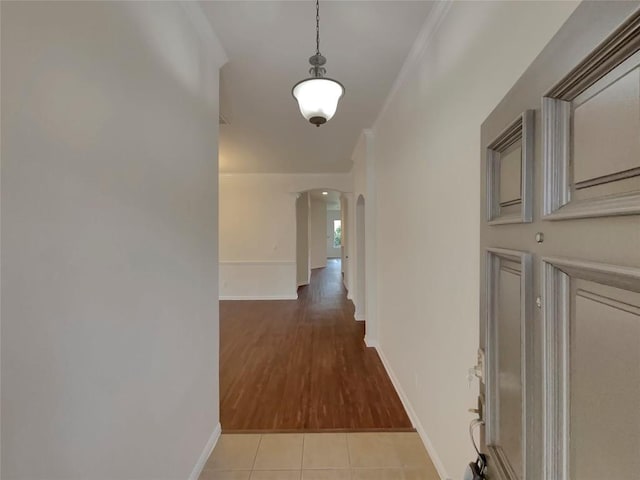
<point x="318" y="96"/>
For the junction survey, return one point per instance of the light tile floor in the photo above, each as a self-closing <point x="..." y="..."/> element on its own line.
<point x="320" y="456"/>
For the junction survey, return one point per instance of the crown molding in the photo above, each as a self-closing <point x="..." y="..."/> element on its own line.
<point x="428" y="30"/>
<point x="195" y="14"/>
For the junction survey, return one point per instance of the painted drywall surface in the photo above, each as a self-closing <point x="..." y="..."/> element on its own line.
<point x="360" y="261"/>
<point x="346" y="239"/>
<point x="332" y="252"/>
<point x="258" y="227"/>
<point x="359" y="159"/>
<point x="318" y="234"/>
<point x="356" y="241"/>
<point x="303" y="269"/>
<point x="258" y="281"/>
<point x="365" y="236"/>
<point x="427" y="151"/>
<point x="256" y="216"/>
<point x="109" y="241"/>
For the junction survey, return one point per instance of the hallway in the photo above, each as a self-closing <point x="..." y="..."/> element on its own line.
<point x="302" y="365"/>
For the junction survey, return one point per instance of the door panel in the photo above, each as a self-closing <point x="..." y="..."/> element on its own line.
<point x="592" y="375"/>
<point x="591" y="121"/>
<point x="510" y="343"/>
<point x="509" y="431"/>
<point x="563" y="402"/>
<point x="510" y="176"/>
<point x="606" y="125"/>
<point x="605" y="380"/>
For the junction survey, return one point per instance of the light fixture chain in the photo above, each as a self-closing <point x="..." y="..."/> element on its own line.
<point x="318" y="27"/>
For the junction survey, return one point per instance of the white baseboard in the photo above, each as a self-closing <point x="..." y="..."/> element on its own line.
<point x="370" y="342"/>
<point x="204" y="456"/>
<point x="412" y="416"/>
<point x="259" y="297"/>
<point x="359" y="317"/>
<point x="257" y="280"/>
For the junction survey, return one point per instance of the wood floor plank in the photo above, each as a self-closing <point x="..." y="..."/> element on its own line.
<point x="302" y="365"/>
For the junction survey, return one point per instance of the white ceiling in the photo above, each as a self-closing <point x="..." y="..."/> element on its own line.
<point x="332" y="198"/>
<point x="268" y="44"/>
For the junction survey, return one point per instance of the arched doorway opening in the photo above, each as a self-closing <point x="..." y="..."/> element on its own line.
<point x="320" y="231"/>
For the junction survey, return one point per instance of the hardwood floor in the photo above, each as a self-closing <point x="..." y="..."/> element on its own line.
<point x="301" y="365"/>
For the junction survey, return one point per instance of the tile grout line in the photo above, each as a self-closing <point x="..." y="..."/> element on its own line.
<point x="255" y="457"/>
<point x="349" y="456"/>
<point x="389" y="439"/>
<point x="302" y="457"/>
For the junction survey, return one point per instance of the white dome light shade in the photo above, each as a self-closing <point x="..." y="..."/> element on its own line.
<point x="318" y="98"/>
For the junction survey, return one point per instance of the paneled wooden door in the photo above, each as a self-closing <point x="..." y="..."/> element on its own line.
<point x="560" y="249"/>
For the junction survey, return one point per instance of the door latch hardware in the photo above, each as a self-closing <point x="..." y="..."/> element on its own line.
<point x="539" y="237"/>
<point x="539" y="302"/>
<point x="478" y="369"/>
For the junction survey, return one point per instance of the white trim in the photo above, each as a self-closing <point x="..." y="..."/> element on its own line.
<point x="359" y="316"/>
<point x="249" y="263"/>
<point x="428" y="30"/>
<point x="204" y="456"/>
<point x="259" y="297"/>
<point x="283" y="174"/>
<point x="204" y="28"/>
<point x="369" y="342"/>
<point x="201" y="24"/>
<point x="278" y="280"/>
<point x="413" y="417"/>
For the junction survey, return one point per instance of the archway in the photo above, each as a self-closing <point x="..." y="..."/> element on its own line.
<point x="320" y="231"/>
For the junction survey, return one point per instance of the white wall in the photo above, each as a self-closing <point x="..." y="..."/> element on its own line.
<point x="109" y="241"/>
<point x="347" y="210"/>
<point x="359" y="258"/>
<point x="257" y="238"/>
<point x="332" y="252"/>
<point x="258" y="231"/>
<point x="344" y="251"/>
<point x="364" y="181"/>
<point x="318" y="234"/>
<point x="427" y="151"/>
<point x="302" y="239"/>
